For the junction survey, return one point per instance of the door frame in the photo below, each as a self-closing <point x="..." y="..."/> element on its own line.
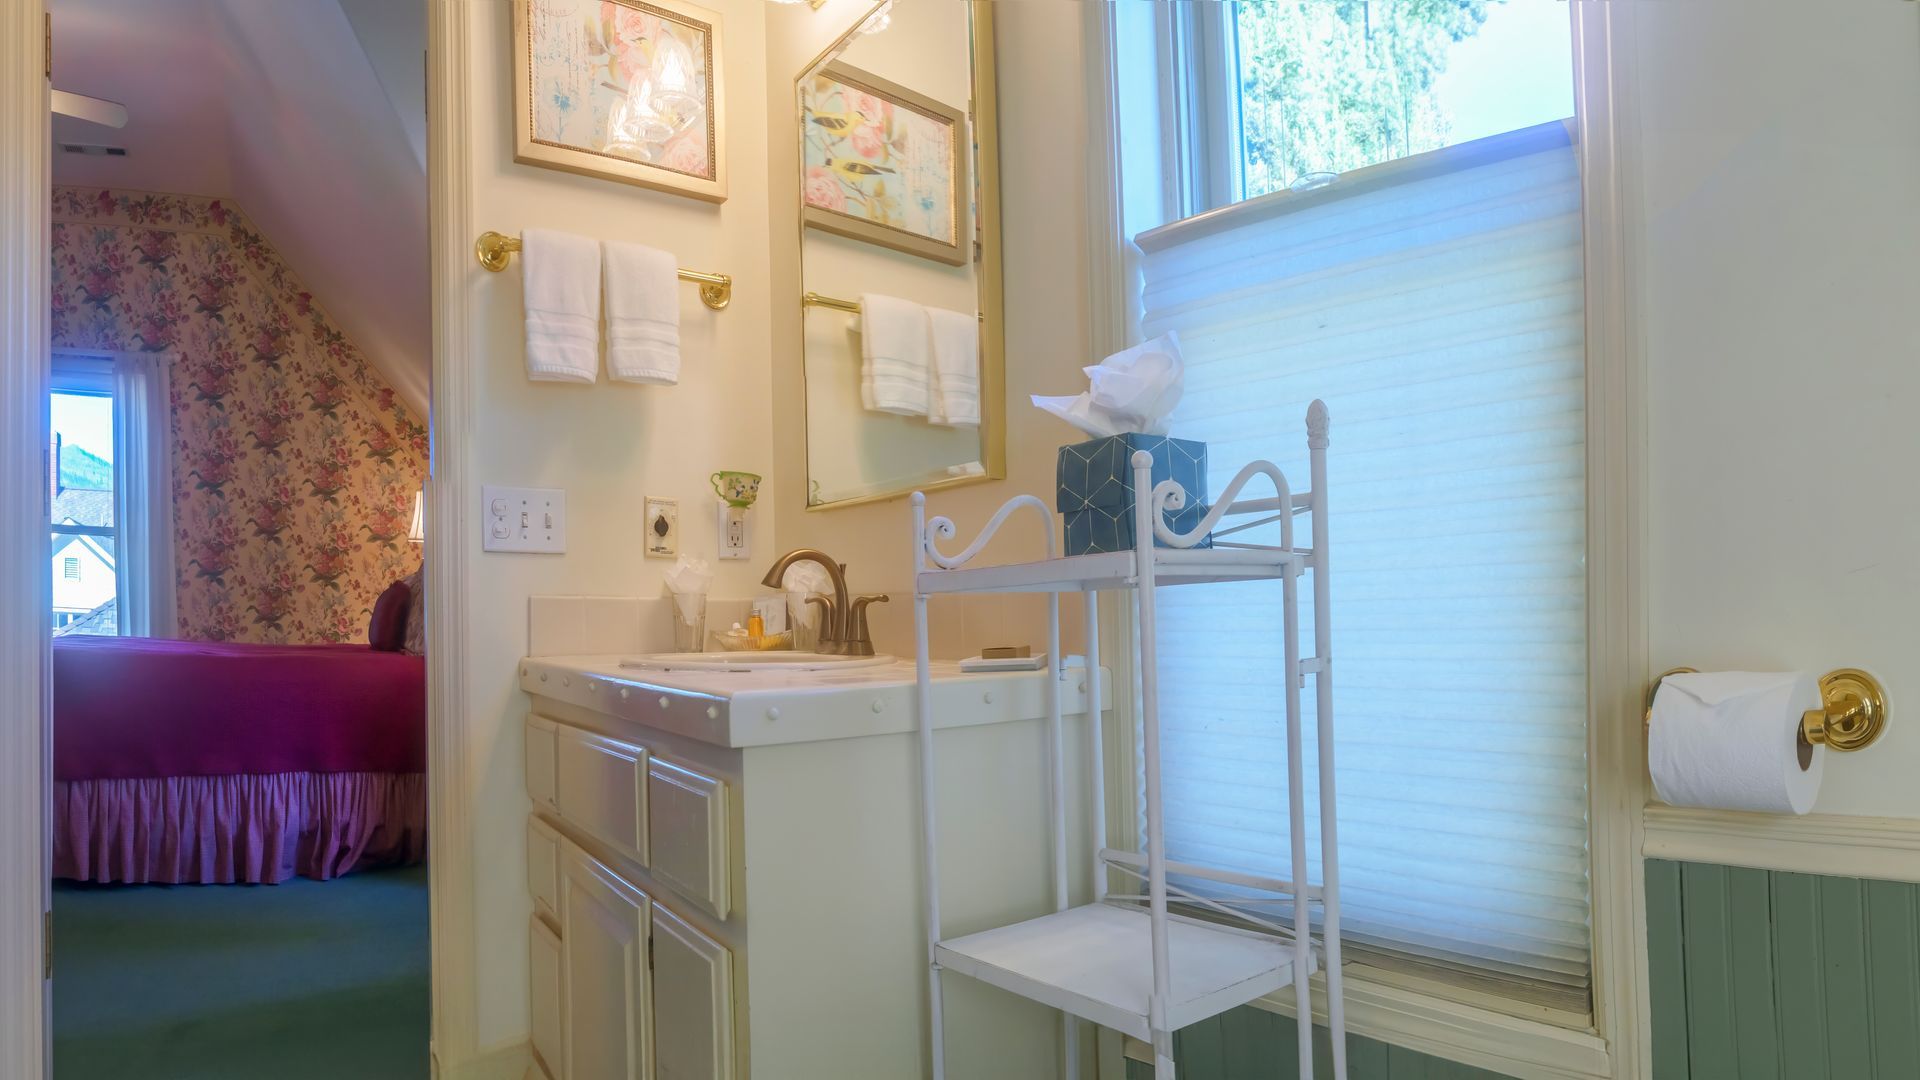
<point x="25" y="651"/>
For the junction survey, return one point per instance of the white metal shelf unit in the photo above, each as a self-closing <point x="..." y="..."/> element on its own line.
<point x="1124" y="961"/>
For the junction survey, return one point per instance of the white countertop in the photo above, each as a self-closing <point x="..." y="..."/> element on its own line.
<point x="770" y="707"/>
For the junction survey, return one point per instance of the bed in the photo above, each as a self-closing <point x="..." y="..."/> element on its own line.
<point x="199" y="762"/>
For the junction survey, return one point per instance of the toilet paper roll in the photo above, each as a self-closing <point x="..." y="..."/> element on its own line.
<point x="1730" y="740"/>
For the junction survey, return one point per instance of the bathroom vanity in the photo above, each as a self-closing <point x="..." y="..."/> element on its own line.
<point x="725" y="868"/>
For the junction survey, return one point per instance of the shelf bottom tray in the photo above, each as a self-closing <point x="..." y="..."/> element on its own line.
<point x="1096" y="962"/>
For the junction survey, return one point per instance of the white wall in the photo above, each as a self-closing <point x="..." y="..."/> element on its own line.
<point x="1779" y="176"/>
<point x="608" y="444"/>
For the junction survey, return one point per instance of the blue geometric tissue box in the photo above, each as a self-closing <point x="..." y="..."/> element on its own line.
<point x="1094" y="495"/>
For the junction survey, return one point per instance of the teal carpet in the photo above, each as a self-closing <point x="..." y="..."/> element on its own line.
<point x="298" y="981"/>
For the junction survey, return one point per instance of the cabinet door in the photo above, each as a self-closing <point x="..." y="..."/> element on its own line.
<point x="603" y="969"/>
<point x="544" y="966"/>
<point x="692" y="1002"/>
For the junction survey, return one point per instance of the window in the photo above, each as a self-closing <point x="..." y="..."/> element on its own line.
<point x="110" y="495"/>
<point x="1398" y="233"/>
<point x="81" y="485"/>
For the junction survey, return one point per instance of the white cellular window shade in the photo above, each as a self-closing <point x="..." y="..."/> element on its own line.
<point x="1436" y="304"/>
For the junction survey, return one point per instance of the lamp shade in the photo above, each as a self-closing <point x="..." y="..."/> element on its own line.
<point x="417" y="532"/>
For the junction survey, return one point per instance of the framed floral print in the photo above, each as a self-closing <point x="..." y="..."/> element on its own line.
<point x="627" y="90"/>
<point x="884" y="164"/>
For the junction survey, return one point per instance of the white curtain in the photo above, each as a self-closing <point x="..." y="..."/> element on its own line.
<point x="143" y="495"/>
<point x="1436" y="305"/>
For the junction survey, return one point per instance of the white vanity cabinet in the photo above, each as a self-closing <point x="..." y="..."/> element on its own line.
<point x="623" y="987"/>
<point x="725" y="876"/>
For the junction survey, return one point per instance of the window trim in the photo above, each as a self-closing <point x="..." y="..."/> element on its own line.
<point x="1615" y="1043"/>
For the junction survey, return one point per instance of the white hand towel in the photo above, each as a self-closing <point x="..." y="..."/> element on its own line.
<point x="956" y="368"/>
<point x="895" y="346"/>
<point x="561" y="276"/>
<point x="643" y="315"/>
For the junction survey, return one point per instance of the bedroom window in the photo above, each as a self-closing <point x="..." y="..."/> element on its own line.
<point x="81" y="484"/>
<point x="1378" y="204"/>
<point x="110" y="494"/>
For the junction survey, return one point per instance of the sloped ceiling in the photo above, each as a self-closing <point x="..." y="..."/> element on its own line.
<point x="307" y="113"/>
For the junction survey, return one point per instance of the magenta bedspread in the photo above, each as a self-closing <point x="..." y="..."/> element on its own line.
<point x="181" y="761"/>
<point x="226" y="829"/>
<point x="141" y="708"/>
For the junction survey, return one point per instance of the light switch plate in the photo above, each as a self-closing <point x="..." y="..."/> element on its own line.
<point x="523" y="519"/>
<point x="661" y="527"/>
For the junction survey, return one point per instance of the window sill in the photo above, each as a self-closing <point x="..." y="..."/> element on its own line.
<point x="1513" y="1046"/>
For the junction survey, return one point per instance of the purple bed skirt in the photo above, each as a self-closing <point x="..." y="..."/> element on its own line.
<point x="257" y="829"/>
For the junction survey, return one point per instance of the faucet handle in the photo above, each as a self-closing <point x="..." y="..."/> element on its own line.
<point x="859" y="641"/>
<point x="828" y="633"/>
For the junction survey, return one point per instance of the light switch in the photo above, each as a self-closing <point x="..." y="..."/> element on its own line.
<point x="524" y="519"/>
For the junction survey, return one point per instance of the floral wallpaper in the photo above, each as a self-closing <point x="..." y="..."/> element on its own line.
<point x="294" y="466"/>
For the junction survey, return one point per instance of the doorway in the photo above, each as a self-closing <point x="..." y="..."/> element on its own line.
<point x="238" y="305"/>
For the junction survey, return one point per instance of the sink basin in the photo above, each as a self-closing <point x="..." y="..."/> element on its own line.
<point x="752" y="661"/>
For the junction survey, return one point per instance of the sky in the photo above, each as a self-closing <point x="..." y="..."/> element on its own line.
<point x="85" y="420"/>
<point x="1515" y="73"/>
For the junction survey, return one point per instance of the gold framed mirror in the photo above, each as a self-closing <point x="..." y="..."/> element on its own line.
<point x="903" y="342"/>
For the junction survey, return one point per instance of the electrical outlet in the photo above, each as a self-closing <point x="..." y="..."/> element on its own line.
<point x="735" y="542"/>
<point x="523" y="519"/>
<point x="661" y="527"/>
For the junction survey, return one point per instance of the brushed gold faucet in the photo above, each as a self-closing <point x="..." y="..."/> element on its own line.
<point x="843" y="625"/>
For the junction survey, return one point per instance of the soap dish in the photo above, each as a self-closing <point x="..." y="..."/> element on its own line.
<point x="1004" y="663"/>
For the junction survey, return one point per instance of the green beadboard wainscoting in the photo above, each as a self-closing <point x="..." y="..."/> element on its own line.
<point x="1254" y="1044"/>
<point x="1765" y="975"/>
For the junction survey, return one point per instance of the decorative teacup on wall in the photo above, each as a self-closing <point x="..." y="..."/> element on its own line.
<point x="737" y="489"/>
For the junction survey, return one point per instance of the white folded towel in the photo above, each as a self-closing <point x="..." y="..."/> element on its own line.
<point x="643" y="315"/>
<point x="955" y="400"/>
<point x="561" y="277"/>
<point x="895" y="347"/>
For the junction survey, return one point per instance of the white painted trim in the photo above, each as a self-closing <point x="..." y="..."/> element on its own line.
<point x="1616" y="538"/>
<point x="1837" y="845"/>
<point x="450" y="100"/>
<point x="1452" y="1031"/>
<point x="25" y="304"/>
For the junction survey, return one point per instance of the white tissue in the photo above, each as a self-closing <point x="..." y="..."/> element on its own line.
<point x="688" y="581"/>
<point x="804" y="579"/>
<point x="1131" y="392"/>
<point x="1730" y="740"/>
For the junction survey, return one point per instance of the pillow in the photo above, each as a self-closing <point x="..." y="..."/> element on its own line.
<point x="387" y="630"/>
<point x="415" y="638"/>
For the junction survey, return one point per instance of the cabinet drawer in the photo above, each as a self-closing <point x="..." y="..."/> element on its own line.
<point x="687" y="829"/>
<point x="540" y="775"/>
<point x="543" y="867"/>
<point x="544" y="966"/>
<point x="600" y="786"/>
<point x="692" y="1002"/>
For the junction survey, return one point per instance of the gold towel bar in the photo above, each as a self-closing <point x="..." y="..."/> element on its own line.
<point x="852" y="307"/>
<point x="495" y="249"/>
<point x="1852" y="716"/>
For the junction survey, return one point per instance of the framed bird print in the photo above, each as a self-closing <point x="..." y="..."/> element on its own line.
<point x="884" y="164"/>
<point x="625" y="90"/>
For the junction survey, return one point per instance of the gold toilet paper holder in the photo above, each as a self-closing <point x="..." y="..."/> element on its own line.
<point x="1853" y="713"/>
